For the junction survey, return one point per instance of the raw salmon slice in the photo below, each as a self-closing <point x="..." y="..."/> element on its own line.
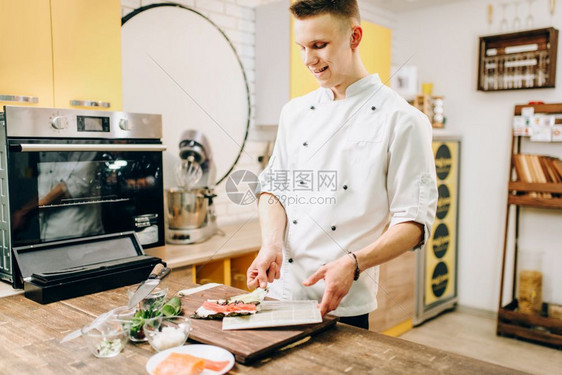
<point x="217" y="366"/>
<point x="180" y="364"/>
<point x="233" y="307"/>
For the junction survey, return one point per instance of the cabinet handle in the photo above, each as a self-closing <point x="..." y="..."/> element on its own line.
<point x="90" y="103"/>
<point x="19" y="98"/>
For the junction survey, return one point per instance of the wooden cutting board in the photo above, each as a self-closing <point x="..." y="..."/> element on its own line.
<point x="246" y="345"/>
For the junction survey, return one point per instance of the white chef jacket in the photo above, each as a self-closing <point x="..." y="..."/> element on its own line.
<point x="379" y="149"/>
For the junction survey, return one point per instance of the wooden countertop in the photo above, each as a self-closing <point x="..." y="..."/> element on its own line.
<point x="31" y="335"/>
<point x="236" y="239"/>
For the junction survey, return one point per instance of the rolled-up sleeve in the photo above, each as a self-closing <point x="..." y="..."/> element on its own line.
<point x="411" y="181"/>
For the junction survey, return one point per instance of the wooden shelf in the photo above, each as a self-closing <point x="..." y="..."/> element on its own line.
<point x="511" y="322"/>
<point x="501" y="56"/>
<point x="528" y="326"/>
<point x="527" y="200"/>
<point x="535" y="187"/>
<point x="524" y="200"/>
<point x="540" y="108"/>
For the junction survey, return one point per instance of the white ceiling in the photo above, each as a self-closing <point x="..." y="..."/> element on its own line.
<point x="407" y="5"/>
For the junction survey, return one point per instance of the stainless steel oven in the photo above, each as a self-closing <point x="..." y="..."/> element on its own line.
<point x="75" y="174"/>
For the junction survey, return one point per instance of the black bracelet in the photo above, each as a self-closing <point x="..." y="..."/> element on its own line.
<point x="356" y="274"/>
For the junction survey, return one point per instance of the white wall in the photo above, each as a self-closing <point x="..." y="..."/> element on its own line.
<point x="443" y="42"/>
<point x="237" y="19"/>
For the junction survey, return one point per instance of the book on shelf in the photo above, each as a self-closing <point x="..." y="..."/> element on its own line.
<point x="521" y="169"/>
<point x="555" y="169"/>
<point x="549" y="170"/>
<point x="540" y="169"/>
<point x="557" y="165"/>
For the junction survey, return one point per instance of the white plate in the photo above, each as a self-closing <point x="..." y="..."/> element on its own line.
<point x="210" y="352"/>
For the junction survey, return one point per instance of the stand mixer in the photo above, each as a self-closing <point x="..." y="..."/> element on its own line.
<point x="191" y="214"/>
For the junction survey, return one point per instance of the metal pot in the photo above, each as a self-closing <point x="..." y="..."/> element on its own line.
<point x="186" y="208"/>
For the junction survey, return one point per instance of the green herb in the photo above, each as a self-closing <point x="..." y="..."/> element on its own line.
<point x="172" y="307"/>
<point x="109" y="348"/>
<point x="136" y="325"/>
<point x="138" y="320"/>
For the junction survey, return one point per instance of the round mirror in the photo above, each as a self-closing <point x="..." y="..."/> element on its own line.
<point x="178" y="63"/>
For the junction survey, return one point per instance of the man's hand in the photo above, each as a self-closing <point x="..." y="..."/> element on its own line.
<point x="266" y="267"/>
<point x="338" y="277"/>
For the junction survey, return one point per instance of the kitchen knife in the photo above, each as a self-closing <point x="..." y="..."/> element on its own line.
<point x="155" y="271"/>
<point x="158" y="273"/>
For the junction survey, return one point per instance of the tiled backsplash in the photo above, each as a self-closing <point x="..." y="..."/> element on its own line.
<point x="237" y="19"/>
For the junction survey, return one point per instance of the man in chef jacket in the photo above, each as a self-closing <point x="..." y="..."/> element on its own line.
<point x="351" y="181"/>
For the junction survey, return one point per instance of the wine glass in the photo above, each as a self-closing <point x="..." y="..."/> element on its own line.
<point x="529" y="20"/>
<point x="503" y="23"/>
<point x="516" y="20"/>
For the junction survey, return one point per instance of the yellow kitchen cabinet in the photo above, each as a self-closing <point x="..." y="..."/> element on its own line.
<point x="280" y="72"/>
<point x="228" y="271"/>
<point x="238" y="268"/>
<point x="59" y="51"/>
<point x="87" y="53"/>
<point x="26" y="59"/>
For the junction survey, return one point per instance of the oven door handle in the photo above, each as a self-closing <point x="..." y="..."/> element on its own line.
<point x="37" y="147"/>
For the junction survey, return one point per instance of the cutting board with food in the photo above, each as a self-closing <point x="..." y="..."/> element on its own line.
<point x="247" y="345"/>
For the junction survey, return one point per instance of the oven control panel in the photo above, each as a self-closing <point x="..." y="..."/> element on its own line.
<point x="124" y="124"/>
<point x="71" y="123"/>
<point x="92" y="124"/>
<point x="59" y="122"/>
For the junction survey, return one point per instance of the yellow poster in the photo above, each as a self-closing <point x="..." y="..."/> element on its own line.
<point x="441" y="249"/>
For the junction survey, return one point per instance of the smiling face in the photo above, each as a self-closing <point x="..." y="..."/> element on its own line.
<point x="329" y="50"/>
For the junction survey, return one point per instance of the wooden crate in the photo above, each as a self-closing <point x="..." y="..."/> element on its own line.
<point x="532" y="327"/>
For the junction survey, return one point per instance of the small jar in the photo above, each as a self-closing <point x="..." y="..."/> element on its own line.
<point x="530" y="282"/>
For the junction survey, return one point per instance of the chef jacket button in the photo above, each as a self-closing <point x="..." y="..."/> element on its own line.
<point x="294" y="221"/>
<point x="312" y="107"/>
<point x="305" y="144"/>
<point x="373" y="108"/>
<point x="290" y="260"/>
<point x="333" y="227"/>
<point x="344" y="187"/>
